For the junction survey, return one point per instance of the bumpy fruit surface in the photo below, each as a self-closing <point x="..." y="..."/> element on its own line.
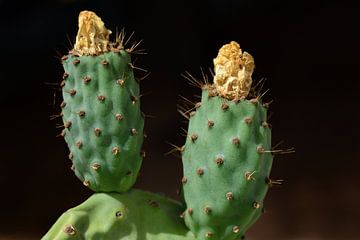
<point x="227" y="157"/>
<point x="134" y="215"/>
<point x="225" y="167"/>
<point x="102" y="119"/>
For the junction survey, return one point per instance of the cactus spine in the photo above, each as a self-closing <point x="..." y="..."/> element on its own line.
<point x="226" y="157"/>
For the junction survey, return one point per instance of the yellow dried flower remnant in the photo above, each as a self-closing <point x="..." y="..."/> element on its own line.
<point x="233" y="70"/>
<point x="92" y="37"/>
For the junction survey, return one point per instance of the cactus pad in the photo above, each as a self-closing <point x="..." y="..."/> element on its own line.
<point x="134" y="215"/>
<point x="102" y="119"/>
<point x="225" y="166"/>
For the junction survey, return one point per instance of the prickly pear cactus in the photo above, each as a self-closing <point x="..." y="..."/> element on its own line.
<point x="227" y="157"/>
<point x="101" y="109"/>
<point x="134" y="215"/>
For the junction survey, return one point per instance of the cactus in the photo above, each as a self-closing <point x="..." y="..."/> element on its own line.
<point x="227" y="156"/>
<point x="101" y="109"/>
<point x="134" y="215"/>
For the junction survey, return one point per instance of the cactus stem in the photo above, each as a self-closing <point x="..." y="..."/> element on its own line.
<point x="69" y="230"/>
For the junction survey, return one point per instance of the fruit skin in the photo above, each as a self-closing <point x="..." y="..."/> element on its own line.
<point x="134" y="215"/>
<point x="226" y="163"/>
<point x="102" y="120"/>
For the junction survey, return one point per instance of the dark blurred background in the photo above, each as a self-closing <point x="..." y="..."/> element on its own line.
<point x="307" y="50"/>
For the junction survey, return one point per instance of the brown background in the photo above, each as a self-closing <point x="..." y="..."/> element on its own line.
<point x="307" y="50"/>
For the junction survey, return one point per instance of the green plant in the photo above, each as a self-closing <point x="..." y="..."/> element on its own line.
<point x="227" y="156"/>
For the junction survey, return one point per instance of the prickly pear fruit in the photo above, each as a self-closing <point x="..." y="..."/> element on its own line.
<point x="101" y="109"/>
<point x="132" y="215"/>
<point x="226" y="157"/>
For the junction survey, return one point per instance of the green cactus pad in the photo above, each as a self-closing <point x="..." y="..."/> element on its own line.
<point x="134" y="215"/>
<point x="102" y="120"/>
<point x="226" y="163"/>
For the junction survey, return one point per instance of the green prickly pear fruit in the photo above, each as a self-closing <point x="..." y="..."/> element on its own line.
<point x="101" y="109"/>
<point x="227" y="156"/>
<point x="134" y="215"/>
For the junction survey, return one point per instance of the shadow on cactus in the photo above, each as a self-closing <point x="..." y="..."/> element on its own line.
<point x="227" y="156"/>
